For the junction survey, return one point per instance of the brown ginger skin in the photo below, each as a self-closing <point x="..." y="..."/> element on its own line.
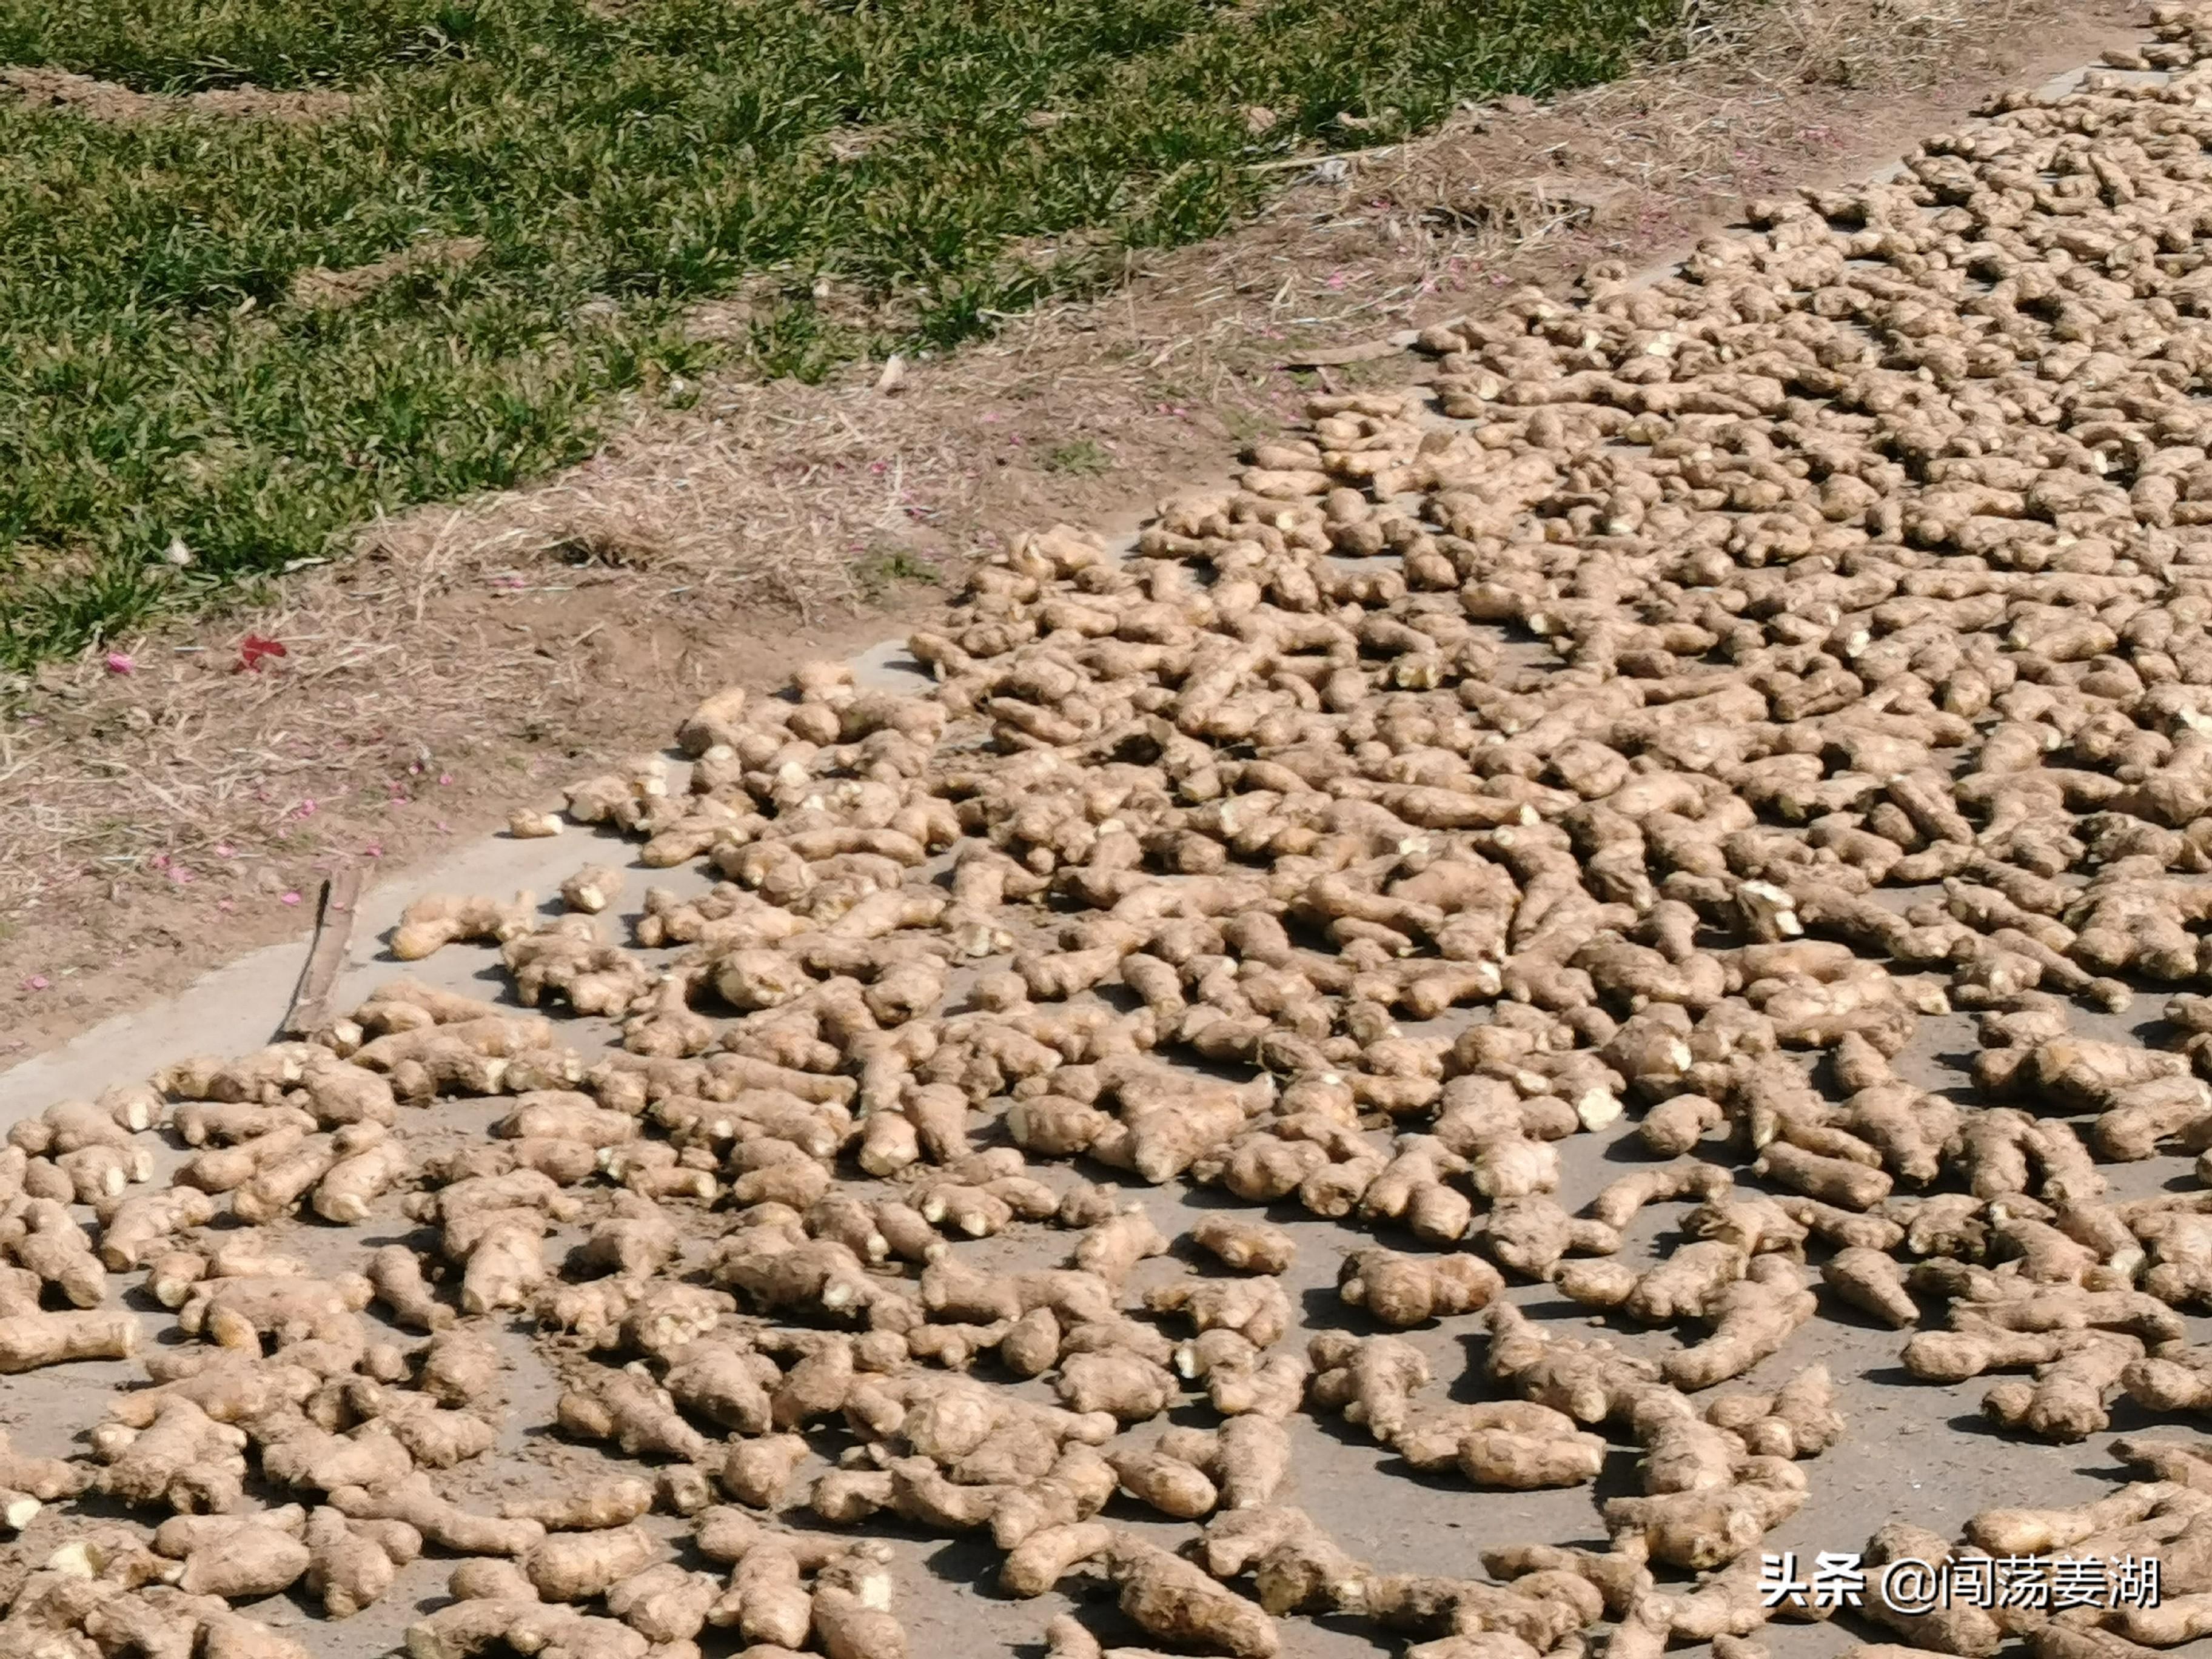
<point x="1243" y="1244"/>
<point x="1401" y="1290"/>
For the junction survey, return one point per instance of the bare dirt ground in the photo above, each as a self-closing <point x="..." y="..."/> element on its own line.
<point x="173" y="802"/>
<point x="106" y="100"/>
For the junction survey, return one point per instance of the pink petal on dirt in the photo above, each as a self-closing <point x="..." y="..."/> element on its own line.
<point x="181" y="875"/>
<point x="224" y="904"/>
<point x="289" y="898"/>
<point x="37" y="982"/>
<point x="305" y="808"/>
<point x="445" y="777"/>
<point x="119" y="662"/>
<point x="374" y="850"/>
<point x="254" y="648"/>
<point x="223" y="849"/>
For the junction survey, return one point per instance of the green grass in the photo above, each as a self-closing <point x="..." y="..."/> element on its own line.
<point x="879" y="571"/>
<point x="157" y="384"/>
<point x="1084" y="457"/>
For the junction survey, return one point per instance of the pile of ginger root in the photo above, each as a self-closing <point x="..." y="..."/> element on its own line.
<point x="1655" y="734"/>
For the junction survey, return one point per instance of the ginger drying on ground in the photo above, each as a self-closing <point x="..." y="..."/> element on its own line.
<point x="1857" y="555"/>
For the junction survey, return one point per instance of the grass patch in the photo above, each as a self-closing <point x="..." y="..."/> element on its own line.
<point x="880" y="571"/>
<point x="172" y="367"/>
<point x="1084" y="457"/>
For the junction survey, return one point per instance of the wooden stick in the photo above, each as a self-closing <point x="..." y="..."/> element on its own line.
<point x="310" y="1009"/>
